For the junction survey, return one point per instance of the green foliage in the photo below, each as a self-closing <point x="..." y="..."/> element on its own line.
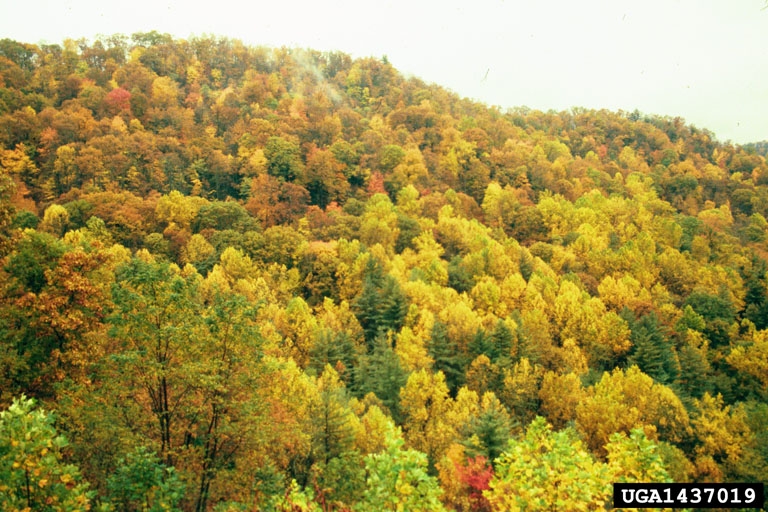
<point x="397" y="479"/>
<point x="222" y="215"/>
<point x="33" y="472"/>
<point x="381" y="305"/>
<point x="334" y="349"/>
<point x="381" y="373"/>
<point x="7" y="211"/>
<point x="25" y="219"/>
<point x="283" y="159"/>
<point x="447" y="356"/>
<point x="546" y="470"/>
<point x="487" y="434"/>
<point x="35" y="254"/>
<point x="142" y="482"/>
<point x="501" y="339"/>
<point x="459" y="277"/>
<point x="652" y="351"/>
<point x="635" y="458"/>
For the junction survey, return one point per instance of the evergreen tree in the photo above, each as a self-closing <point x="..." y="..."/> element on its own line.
<point x="756" y="297"/>
<point x="481" y="344"/>
<point x="695" y="372"/>
<point x="381" y="306"/>
<point x="459" y="278"/>
<point x="502" y="338"/>
<point x="652" y="351"/>
<point x="380" y="373"/>
<point x="335" y="349"/>
<point x="489" y="431"/>
<point x="448" y="359"/>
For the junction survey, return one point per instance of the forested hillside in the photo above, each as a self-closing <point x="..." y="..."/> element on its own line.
<point x="239" y="278"/>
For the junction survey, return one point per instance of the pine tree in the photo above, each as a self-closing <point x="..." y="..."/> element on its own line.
<point x="332" y="432"/>
<point x="502" y="338"/>
<point x="380" y="373"/>
<point x="335" y="349"/>
<point x="488" y="432"/>
<point x="381" y="305"/>
<point x="448" y="359"/>
<point x="480" y="345"/>
<point x="653" y="352"/>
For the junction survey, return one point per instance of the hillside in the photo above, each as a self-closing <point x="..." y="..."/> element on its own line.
<point x="240" y="278"/>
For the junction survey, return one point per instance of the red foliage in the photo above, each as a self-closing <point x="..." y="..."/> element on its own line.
<point x="376" y="184"/>
<point x="118" y="100"/>
<point x="476" y="475"/>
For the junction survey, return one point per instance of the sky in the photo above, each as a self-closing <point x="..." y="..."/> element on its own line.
<point x="703" y="60"/>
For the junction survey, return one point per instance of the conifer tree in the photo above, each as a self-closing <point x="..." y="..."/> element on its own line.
<point x="380" y="373"/>
<point x="480" y="345"/>
<point x="381" y="305"/>
<point x="502" y="338"/>
<point x="653" y="352"/>
<point x="448" y="359"/>
<point x="489" y="431"/>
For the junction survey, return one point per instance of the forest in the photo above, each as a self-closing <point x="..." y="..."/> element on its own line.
<point x="239" y="278"/>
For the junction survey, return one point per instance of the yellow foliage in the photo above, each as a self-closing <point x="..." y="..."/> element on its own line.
<point x="622" y="401"/>
<point x="721" y="430"/>
<point x="559" y="395"/>
<point x="197" y="249"/>
<point x="426" y="406"/>
<point x="454" y="491"/>
<point x="482" y="374"/>
<point x="521" y="389"/>
<point x="372" y="437"/>
<point x="752" y="359"/>
<point x="412" y="351"/>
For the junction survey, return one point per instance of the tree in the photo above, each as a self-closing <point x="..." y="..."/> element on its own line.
<point x="56" y="301"/>
<point x="548" y="470"/>
<point x="333" y="430"/>
<point x="142" y="483"/>
<point x="186" y="365"/>
<point x="380" y="373"/>
<point x="520" y="392"/>
<point x="501" y="339"/>
<point x="653" y="353"/>
<point x="560" y="394"/>
<point x="426" y="407"/>
<point x="752" y="358"/>
<point x="221" y="215"/>
<point x="7" y="189"/>
<point x="284" y="159"/>
<point x="722" y="433"/>
<point x="488" y="432"/>
<point x="446" y="355"/>
<point x="33" y="473"/>
<point x="324" y="178"/>
<point x="635" y="458"/>
<point x="397" y="479"/>
<point x="624" y="400"/>
<point x="381" y="305"/>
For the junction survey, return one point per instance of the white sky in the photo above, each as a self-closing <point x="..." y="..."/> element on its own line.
<point x="703" y="60"/>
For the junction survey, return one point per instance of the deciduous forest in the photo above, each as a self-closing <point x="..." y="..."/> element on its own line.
<point x="240" y="278"/>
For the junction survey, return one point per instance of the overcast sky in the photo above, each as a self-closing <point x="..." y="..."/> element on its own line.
<point x="703" y="60"/>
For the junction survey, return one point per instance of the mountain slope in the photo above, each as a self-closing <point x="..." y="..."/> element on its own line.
<point x="285" y="274"/>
